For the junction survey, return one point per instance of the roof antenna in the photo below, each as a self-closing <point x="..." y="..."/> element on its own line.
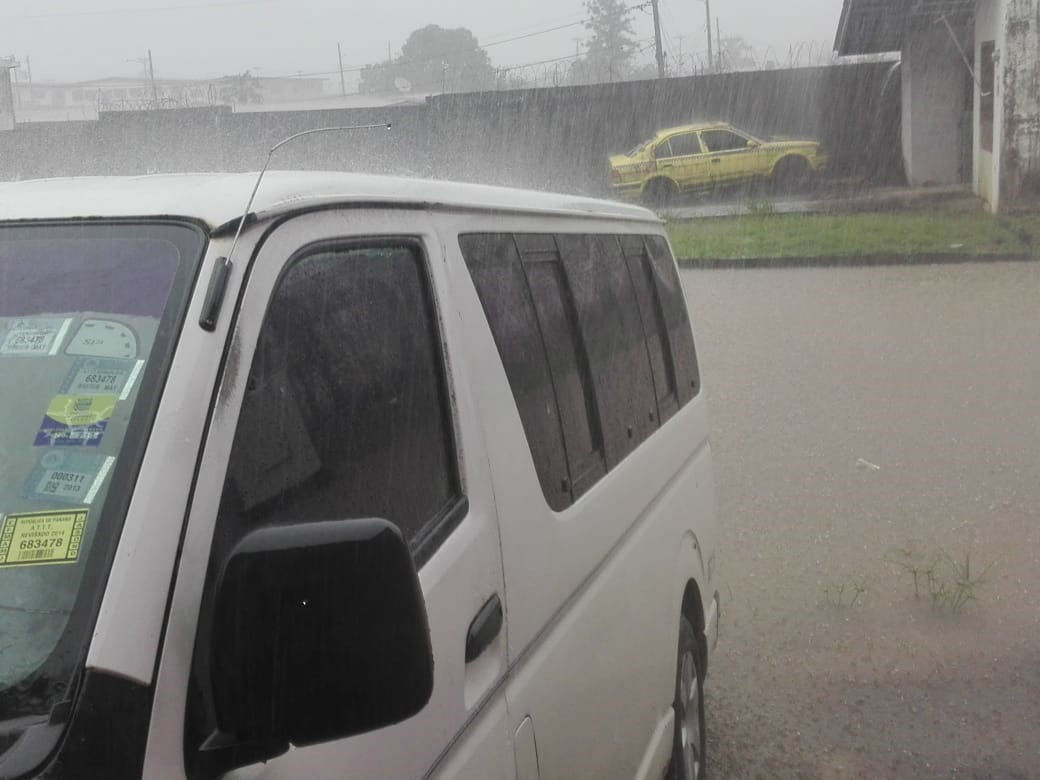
<point x="222" y="268"/>
<point x="275" y="148"/>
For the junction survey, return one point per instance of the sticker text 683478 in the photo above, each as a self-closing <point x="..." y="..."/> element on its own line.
<point x="34" y="538"/>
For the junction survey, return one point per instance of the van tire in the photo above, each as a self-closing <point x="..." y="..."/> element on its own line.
<point x="791" y="174"/>
<point x="660" y="193"/>
<point x="688" y="749"/>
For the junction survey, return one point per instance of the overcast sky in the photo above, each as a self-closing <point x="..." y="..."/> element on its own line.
<point x="72" y="40"/>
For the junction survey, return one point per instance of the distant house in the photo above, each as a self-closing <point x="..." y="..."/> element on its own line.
<point x="971" y="94"/>
<point x="58" y="101"/>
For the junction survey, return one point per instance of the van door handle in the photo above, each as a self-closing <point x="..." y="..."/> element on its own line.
<point x="484" y="628"/>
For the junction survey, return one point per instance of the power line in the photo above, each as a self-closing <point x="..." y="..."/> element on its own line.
<point x="438" y="57"/>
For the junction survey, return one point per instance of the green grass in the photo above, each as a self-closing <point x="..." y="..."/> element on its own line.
<point x="849" y="235"/>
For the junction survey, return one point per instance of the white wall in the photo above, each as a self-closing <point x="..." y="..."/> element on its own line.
<point x="989" y="26"/>
<point x="934" y="77"/>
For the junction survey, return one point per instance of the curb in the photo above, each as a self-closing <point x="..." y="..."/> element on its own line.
<point x="854" y="261"/>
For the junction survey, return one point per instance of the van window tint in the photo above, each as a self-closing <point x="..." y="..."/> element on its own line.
<point x="569" y="367"/>
<point x="345" y="412"/>
<point x="609" y="320"/>
<point x="638" y="259"/>
<point x="676" y="318"/>
<point x="494" y="264"/>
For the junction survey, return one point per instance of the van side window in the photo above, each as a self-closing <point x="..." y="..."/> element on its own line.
<point x="595" y="340"/>
<point x="609" y="320"/>
<point x="345" y="412"/>
<point x="568" y="363"/>
<point x="676" y="318"/>
<point x="494" y="264"/>
<point x="654" y="327"/>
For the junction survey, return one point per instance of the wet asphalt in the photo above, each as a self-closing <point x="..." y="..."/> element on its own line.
<point x="858" y="415"/>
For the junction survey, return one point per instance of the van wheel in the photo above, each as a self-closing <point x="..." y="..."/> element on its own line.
<point x="690" y="741"/>
<point x="792" y="174"/>
<point x="660" y="193"/>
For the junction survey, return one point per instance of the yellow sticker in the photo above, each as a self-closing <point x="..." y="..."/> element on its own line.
<point x="75" y="421"/>
<point x="31" y="538"/>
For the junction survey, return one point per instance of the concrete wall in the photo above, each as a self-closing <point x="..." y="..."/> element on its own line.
<point x="936" y="124"/>
<point x="7" y="117"/>
<point x="556" y="139"/>
<point x="1019" y="164"/>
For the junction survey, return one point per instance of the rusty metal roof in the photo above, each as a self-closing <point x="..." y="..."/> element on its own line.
<point x="875" y="26"/>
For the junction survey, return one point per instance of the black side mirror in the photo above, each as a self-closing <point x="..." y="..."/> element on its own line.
<point x="319" y="633"/>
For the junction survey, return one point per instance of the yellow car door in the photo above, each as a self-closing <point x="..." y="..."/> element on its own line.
<point x="682" y="159"/>
<point x="733" y="160"/>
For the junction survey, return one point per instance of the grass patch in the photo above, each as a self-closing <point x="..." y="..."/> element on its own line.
<point x="849" y="235"/>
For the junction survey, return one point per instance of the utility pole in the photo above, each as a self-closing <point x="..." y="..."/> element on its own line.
<point x="151" y="75"/>
<point x="657" y="40"/>
<point x="718" y="42"/>
<point x="707" y="14"/>
<point x="342" y="80"/>
<point x="28" y="73"/>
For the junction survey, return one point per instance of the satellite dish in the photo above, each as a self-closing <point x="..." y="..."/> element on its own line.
<point x="403" y="84"/>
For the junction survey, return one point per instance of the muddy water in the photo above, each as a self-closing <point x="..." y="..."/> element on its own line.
<point x="858" y="413"/>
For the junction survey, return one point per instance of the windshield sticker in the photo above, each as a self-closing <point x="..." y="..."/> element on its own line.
<point x="103" y="338"/>
<point x="70" y="477"/>
<point x="98" y="376"/>
<point x="32" y="337"/>
<point x="75" y="421"/>
<point x="33" y="538"/>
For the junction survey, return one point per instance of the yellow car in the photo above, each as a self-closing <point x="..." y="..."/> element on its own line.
<point x="705" y="156"/>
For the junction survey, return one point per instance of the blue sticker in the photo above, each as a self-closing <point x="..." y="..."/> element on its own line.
<point x="75" y="421"/>
<point x="68" y="476"/>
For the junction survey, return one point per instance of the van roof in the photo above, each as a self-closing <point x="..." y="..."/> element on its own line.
<point x="219" y="198"/>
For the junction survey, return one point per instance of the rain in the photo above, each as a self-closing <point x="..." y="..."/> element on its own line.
<point x="851" y="192"/>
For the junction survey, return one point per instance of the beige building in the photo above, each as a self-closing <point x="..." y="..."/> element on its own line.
<point x="971" y="95"/>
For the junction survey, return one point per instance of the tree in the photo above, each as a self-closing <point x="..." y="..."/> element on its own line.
<point x="737" y="53"/>
<point x="434" y="59"/>
<point x="610" y="49"/>
<point x="242" y="88"/>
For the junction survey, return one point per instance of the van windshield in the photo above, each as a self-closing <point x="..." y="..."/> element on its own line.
<point x="87" y="315"/>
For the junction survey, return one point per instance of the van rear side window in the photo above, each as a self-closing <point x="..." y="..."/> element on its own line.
<point x="595" y="340"/>
<point x="676" y="318"/>
<point x="611" y="329"/>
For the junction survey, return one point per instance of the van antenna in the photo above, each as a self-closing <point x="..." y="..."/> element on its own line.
<point x="270" y="154"/>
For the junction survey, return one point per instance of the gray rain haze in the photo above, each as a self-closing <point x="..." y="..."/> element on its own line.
<point x="69" y="40"/>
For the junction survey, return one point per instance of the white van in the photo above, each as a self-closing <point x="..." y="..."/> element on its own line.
<point x="416" y="484"/>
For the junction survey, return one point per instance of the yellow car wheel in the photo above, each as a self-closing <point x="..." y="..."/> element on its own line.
<point x="791" y="174"/>
<point x="660" y="192"/>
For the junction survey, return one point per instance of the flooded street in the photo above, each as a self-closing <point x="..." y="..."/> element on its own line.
<point x="866" y="420"/>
